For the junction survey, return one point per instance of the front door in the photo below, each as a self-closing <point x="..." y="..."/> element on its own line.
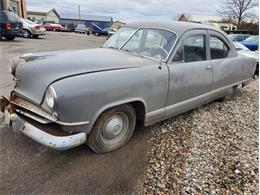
<point x="190" y="73"/>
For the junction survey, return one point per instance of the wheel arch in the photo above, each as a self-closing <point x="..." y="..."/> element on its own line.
<point x="25" y="28"/>
<point x="138" y="104"/>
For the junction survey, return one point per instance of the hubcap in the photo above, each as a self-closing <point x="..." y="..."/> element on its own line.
<point x="26" y="34"/>
<point x="115" y="126"/>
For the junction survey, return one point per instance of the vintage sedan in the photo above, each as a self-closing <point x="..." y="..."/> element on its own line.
<point x="147" y="72"/>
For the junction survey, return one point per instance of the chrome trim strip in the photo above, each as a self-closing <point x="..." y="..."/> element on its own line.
<point x="38" y="119"/>
<point x="72" y="123"/>
<point x="128" y="37"/>
<point x="46" y="117"/>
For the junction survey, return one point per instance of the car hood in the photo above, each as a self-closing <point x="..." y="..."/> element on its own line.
<point x="35" y="72"/>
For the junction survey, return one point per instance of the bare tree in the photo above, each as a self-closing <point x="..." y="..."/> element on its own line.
<point x="237" y="10"/>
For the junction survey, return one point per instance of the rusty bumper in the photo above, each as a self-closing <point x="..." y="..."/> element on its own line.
<point x="44" y="138"/>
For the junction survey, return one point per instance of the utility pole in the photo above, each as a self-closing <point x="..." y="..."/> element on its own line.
<point x="79" y="11"/>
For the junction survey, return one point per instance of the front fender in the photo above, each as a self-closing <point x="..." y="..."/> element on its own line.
<point x="85" y="97"/>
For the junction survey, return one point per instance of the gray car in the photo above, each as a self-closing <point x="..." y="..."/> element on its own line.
<point x="146" y="72"/>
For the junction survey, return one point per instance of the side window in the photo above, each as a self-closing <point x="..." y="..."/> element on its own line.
<point x="2" y="17"/>
<point x="178" y="57"/>
<point x="194" y="48"/>
<point x="218" y="49"/>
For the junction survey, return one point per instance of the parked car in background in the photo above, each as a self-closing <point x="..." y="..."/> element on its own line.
<point x="31" y="29"/>
<point x="82" y="28"/>
<point x="243" y="50"/>
<point x="97" y="30"/>
<point x="10" y="25"/>
<point x="238" y="37"/>
<point x="53" y="27"/>
<point x="147" y="72"/>
<point x="251" y="43"/>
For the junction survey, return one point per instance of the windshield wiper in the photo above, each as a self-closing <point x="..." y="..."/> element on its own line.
<point x="111" y="47"/>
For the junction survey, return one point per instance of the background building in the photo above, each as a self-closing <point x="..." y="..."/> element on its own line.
<point x="43" y="14"/>
<point x="17" y="6"/>
<point x="90" y="21"/>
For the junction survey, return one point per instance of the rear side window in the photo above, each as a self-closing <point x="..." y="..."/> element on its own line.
<point x="2" y="17"/>
<point x="218" y="48"/>
<point x="194" y="48"/>
<point x="12" y="17"/>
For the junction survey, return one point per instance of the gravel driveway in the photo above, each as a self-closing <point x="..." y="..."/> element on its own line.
<point x="210" y="150"/>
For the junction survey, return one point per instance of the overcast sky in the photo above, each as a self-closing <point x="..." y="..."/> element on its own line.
<point x="128" y="10"/>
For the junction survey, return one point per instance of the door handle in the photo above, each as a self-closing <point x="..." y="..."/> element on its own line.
<point x="209" y="67"/>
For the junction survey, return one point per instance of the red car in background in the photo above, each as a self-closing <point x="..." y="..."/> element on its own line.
<point x="53" y="27"/>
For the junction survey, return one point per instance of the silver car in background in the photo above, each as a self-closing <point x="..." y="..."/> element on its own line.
<point x="147" y="72"/>
<point x="31" y="29"/>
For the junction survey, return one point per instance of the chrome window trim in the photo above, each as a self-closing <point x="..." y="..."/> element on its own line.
<point x="129" y="37"/>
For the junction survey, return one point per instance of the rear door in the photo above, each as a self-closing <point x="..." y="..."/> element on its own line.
<point x="228" y="68"/>
<point x="190" y="72"/>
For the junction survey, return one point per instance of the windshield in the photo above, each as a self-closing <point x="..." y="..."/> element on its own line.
<point x="28" y="21"/>
<point x="252" y="39"/>
<point x="13" y="17"/>
<point x="155" y="43"/>
<point x="231" y="36"/>
<point x="119" y="38"/>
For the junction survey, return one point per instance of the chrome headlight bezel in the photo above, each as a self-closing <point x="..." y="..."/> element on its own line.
<point x="50" y="97"/>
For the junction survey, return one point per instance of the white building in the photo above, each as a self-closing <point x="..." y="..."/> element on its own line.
<point x="43" y="14"/>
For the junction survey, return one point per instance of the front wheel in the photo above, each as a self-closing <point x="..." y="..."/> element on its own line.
<point x="113" y="129"/>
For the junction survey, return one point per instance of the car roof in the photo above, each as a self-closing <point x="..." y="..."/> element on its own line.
<point x="176" y="26"/>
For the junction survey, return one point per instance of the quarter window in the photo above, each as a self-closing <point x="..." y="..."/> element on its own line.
<point x="218" y="49"/>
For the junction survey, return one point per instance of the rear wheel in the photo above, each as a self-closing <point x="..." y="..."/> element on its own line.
<point x="229" y="96"/>
<point x="9" y="38"/>
<point x="113" y="129"/>
<point x="27" y="33"/>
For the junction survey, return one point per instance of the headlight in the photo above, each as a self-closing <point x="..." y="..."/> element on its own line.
<point x="50" y="97"/>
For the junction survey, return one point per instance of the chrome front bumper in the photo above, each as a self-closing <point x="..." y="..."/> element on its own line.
<point x="40" y="136"/>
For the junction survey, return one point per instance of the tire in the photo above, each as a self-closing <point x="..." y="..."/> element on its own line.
<point x="35" y="36"/>
<point x="27" y="34"/>
<point x="9" y="38"/>
<point x="113" y="129"/>
<point x="230" y="96"/>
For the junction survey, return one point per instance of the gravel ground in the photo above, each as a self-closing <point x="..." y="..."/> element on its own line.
<point x="210" y="150"/>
